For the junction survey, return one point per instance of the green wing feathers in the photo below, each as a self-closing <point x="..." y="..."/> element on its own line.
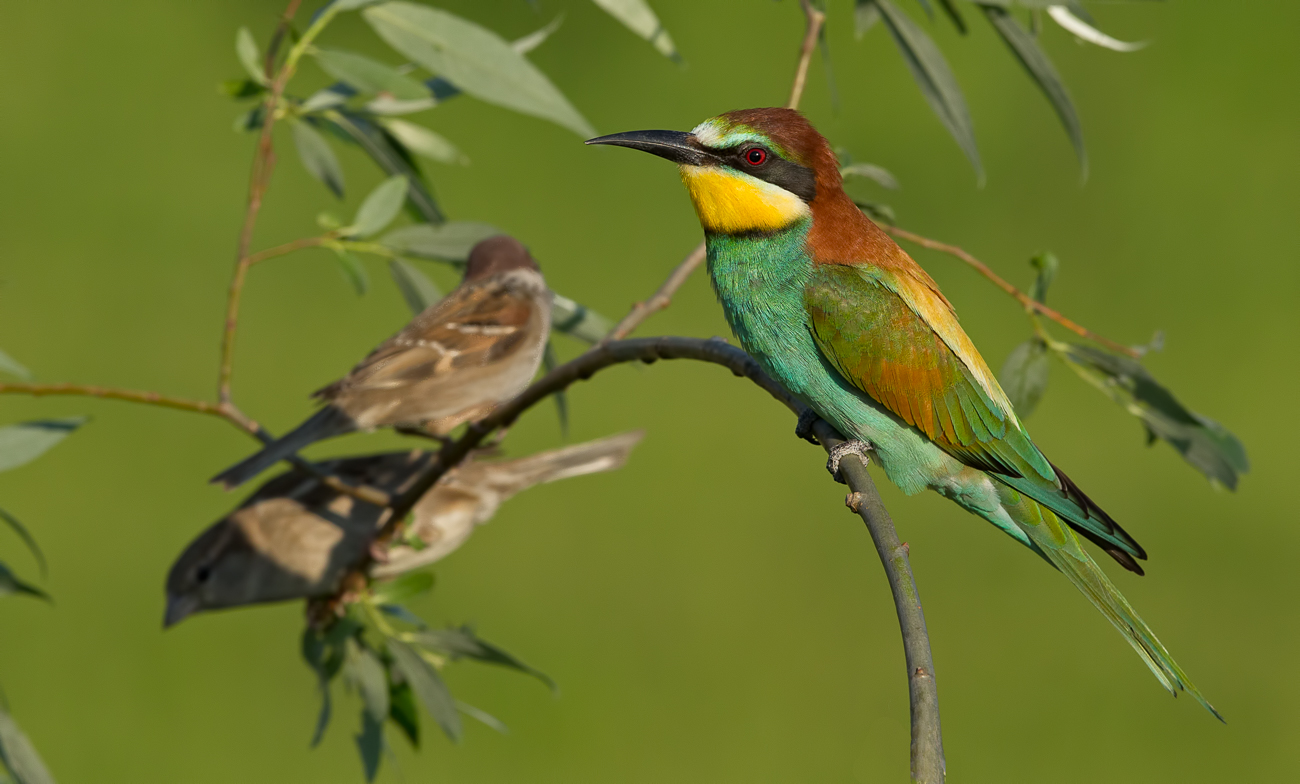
<point x="885" y="349"/>
<point x="896" y="339"/>
<point x="1062" y="549"/>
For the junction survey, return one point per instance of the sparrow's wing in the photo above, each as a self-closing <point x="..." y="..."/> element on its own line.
<point x="475" y="326"/>
<point x="893" y="336"/>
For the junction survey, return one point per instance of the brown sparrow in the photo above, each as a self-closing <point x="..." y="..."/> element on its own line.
<point x="462" y="357"/>
<point x="296" y="538"/>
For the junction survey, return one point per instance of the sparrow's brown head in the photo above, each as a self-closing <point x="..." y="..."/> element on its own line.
<point x="498" y="254"/>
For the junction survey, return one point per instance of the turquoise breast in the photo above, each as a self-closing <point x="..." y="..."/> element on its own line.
<point x="760" y="282"/>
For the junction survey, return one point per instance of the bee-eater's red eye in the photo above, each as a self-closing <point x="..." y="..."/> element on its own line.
<point x="755" y="156"/>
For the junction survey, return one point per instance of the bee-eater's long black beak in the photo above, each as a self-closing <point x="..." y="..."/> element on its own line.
<point x="676" y="146"/>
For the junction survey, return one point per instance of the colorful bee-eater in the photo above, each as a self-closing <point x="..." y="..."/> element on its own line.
<point x="832" y="308"/>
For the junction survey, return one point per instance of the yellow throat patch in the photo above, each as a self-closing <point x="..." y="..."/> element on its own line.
<point x="731" y="203"/>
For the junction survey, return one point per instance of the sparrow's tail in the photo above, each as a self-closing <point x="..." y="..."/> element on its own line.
<point x="1058" y="544"/>
<point x="327" y="422"/>
<point x="511" y="476"/>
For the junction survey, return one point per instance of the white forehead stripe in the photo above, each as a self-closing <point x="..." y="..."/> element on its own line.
<point x="707" y="133"/>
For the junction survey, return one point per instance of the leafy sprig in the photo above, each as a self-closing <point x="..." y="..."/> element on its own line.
<point x="390" y="658"/>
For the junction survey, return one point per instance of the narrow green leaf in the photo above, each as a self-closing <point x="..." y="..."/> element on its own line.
<point x="865" y="16"/>
<point x="249" y="55"/>
<point x="324" y="653"/>
<point x="10" y="585"/>
<point x="1086" y="32"/>
<point x="364" y="672"/>
<point x="427" y="686"/>
<point x="370" y="744"/>
<point x="638" y="17"/>
<point x="323" y="717"/>
<point x="379" y="208"/>
<point x="463" y="643"/>
<point x="416" y="288"/>
<point x="482" y="717"/>
<point x="448" y="242"/>
<point x="250" y="120"/>
<point x="577" y="320"/>
<point x="925" y="6"/>
<point x="1027" y="51"/>
<point x="474" y="59"/>
<point x="19" y="755"/>
<point x="327" y="98"/>
<point x="950" y="8"/>
<point x="1203" y="443"/>
<point x="878" y="174"/>
<point x="424" y="142"/>
<point x="390" y="156"/>
<point x="1024" y="376"/>
<point x="385" y="106"/>
<point x="27" y="538"/>
<point x="370" y="76"/>
<point x="22" y="443"/>
<point x="550" y="361"/>
<point x="1047" y="264"/>
<point x="402" y="614"/>
<point x="934" y="77"/>
<point x="353" y="269"/>
<point x="317" y="157"/>
<point x="241" y="88"/>
<point x="535" y="39"/>
<point x="10" y="365"/>
<point x="443" y="89"/>
<point x="403" y="713"/>
<point x="402" y="588"/>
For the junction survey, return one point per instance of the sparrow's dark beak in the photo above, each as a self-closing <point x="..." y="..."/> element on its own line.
<point x="179" y="607"/>
<point x="676" y="146"/>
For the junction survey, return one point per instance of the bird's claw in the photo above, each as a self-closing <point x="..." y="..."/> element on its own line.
<point x="842" y="449"/>
<point x="804" y="427"/>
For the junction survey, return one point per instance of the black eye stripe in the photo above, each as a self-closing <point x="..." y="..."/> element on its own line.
<point x="799" y="180"/>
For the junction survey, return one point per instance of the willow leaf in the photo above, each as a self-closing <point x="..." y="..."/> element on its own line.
<point x="934" y="77"/>
<point x="1042" y="71"/>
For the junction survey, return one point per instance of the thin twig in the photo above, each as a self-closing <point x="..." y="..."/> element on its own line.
<point x="927" y="735"/>
<point x="285" y="249"/>
<point x="815" y="19"/>
<point x="273" y="48"/>
<point x="661" y="299"/>
<point x="226" y="411"/>
<point x="259" y="179"/>
<point x="132" y="396"/>
<point x="1024" y="299"/>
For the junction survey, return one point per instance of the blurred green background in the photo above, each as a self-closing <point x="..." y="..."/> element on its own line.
<point x="711" y="612"/>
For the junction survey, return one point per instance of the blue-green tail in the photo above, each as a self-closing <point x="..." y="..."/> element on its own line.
<point x="1058" y="544"/>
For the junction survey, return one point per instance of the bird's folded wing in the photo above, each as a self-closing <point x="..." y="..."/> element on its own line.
<point x="473" y="327"/>
<point x="894" y="337"/>
<point x="887" y="349"/>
